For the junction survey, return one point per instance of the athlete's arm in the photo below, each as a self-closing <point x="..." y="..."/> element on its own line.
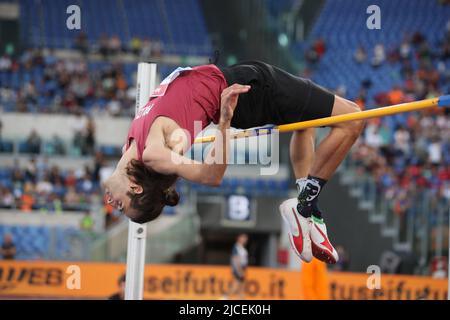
<point x="210" y="172"/>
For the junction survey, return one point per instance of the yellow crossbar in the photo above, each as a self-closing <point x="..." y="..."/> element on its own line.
<point x="328" y="121"/>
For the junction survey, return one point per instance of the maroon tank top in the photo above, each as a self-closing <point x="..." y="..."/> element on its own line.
<point x="193" y="96"/>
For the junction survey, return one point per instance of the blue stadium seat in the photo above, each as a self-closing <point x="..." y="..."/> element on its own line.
<point x="32" y="242"/>
<point x="179" y="24"/>
<point x="342" y="24"/>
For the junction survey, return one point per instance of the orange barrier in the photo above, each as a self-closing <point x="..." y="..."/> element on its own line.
<point x="53" y="279"/>
<point x="99" y="280"/>
<point x="352" y="286"/>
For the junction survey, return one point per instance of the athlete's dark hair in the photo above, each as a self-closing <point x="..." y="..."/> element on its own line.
<point x="157" y="191"/>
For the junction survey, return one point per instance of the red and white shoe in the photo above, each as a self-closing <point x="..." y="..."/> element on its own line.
<point x="300" y="227"/>
<point x="322" y="248"/>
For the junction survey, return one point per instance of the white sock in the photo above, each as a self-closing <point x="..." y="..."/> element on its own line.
<point x="301" y="183"/>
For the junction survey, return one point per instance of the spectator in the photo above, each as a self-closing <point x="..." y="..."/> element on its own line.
<point x="396" y="95"/>
<point x="33" y="142"/>
<point x="360" y="55"/>
<point x="44" y="187"/>
<point x="30" y="92"/>
<point x="80" y="86"/>
<point x="402" y="141"/>
<point x="81" y="43"/>
<point x="26" y="58"/>
<point x="393" y="55"/>
<point x="6" y="198"/>
<point x="114" y="45"/>
<point x="78" y="127"/>
<point x="136" y="45"/>
<point x="71" y="179"/>
<point x="379" y="55"/>
<point x="372" y="135"/>
<point x="31" y="170"/>
<point x="120" y="295"/>
<point x="435" y="151"/>
<point x="86" y="184"/>
<point x="146" y="49"/>
<point x="311" y="57"/>
<point x="103" y="46"/>
<point x="5" y="63"/>
<point x="42" y="167"/>
<point x="361" y="99"/>
<point x="8" y="249"/>
<point x="71" y="198"/>
<point x="99" y="163"/>
<point x="114" y="107"/>
<point x="319" y="48"/>
<point x="157" y="48"/>
<point x="121" y="83"/>
<point x="424" y="51"/>
<point x="58" y="145"/>
<point x="17" y="176"/>
<point x="239" y="263"/>
<point x="89" y="137"/>
<point x="49" y="58"/>
<point x="87" y="223"/>
<point x="27" y="199"/>
<point x="405" y="49"/>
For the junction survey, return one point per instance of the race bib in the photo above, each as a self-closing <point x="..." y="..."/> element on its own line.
<point x="161" y="90"/>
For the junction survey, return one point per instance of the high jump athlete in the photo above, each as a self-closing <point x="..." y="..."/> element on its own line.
<point x="245" y="95"/>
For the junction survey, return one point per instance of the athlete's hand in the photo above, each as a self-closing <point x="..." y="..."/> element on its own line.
<point x="228" y="101"/>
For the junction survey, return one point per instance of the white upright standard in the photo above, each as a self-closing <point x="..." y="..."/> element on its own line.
<point x="137" y="233"/>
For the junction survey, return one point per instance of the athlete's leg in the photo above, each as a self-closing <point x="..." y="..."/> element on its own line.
<point x="333" y="149"/>
<point x="301" y="150"/>
<point x="312" y="170"/>
<point x="278" y="97"/>
<point x="330" y="153"/>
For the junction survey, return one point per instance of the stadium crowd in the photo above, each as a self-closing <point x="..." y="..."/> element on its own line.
<point x="413" y="152"/>
<point x="408" y="155"/>
<point x="48" y="84"/>
<point x="110" y="46"/>
<point x="49" y="189"/>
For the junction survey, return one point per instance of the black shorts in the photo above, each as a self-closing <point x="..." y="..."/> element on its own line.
<point x="276" y="97"/>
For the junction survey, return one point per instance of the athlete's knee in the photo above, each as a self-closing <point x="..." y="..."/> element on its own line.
<point x="353" y="128"/>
